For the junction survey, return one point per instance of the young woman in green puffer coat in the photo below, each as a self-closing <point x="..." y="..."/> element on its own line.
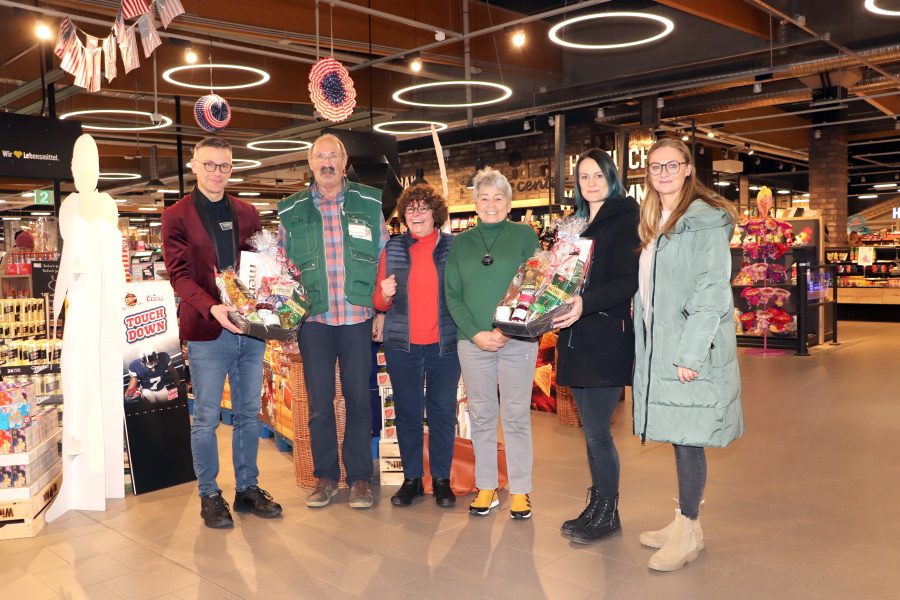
<point x="686" y="382"/>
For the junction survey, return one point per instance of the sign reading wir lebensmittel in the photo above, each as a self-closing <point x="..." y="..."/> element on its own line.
<point x="37" y="147"/>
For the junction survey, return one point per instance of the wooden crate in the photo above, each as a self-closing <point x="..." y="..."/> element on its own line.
<point x="25" y="518"/>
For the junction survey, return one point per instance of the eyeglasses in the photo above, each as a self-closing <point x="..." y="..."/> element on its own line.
<point x="332" y="157"/>
<point x="211" y="167"/>
<point x="421" y="209"/>
<point x="672" y="167"/>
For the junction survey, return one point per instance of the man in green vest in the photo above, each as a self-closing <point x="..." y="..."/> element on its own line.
<point x="334" y="232"/>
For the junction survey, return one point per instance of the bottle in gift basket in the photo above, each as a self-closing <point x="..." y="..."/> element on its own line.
<point x="530" y="280"/>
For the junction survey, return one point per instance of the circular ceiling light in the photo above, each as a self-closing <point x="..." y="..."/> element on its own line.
<point x="108" y="111"/>
<point x="263" y="76"/>
<point x="245" y="163"/>
<point x="668" y="27"/>
<point x="279" y="145"/>
<point x="384" y="127"/>
<point x="119" y="176"/>
<point x="506" y="93"/>
<point x="870" y="5"/>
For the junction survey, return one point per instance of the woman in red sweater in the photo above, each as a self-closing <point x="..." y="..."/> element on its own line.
<point x="420" y="342"/>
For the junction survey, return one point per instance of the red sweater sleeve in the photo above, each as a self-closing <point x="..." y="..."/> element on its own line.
<point x="377" y="299"/>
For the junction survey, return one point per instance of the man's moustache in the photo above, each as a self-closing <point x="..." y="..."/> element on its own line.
<point x="327" y="170"/>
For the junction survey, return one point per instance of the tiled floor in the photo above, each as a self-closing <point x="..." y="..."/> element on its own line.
<point x="803" y="507"/>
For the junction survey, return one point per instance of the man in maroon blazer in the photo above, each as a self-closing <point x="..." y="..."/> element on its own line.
<point x="205" y="231"/>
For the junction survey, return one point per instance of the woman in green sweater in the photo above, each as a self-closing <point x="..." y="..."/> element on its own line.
<point x="481" y="264"/>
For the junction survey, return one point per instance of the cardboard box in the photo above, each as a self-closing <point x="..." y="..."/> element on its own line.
<point x="43" y="425"/>
<point x="383" y="379"/>
<point x="13" y="476"/>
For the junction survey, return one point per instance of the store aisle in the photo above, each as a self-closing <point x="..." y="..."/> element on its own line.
<point x="803" y="507"/>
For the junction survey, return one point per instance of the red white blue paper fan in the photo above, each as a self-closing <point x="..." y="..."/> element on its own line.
<point x="212" y="113"/>
<point x="331" y="89"/>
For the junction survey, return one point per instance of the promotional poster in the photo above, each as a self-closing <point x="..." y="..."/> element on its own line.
<point x="157" y="421"/>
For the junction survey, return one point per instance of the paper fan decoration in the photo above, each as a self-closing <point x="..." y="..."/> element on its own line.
<point x="212" y="113"/>
<point x="331" y="89"/>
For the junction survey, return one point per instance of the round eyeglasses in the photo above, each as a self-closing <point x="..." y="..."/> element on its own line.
<point x="211" y="166"/>
<point x="420" y="209"/>
<point x="671" y="167"/>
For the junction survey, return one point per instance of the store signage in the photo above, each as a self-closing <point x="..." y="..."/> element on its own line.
<point x="895" y="213"/>
<point x="37" y="147"/>
<point x="865" y="256"/>
<point x="43" y="197"/>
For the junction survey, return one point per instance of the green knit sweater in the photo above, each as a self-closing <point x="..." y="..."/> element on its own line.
<point x="474" y="290"/>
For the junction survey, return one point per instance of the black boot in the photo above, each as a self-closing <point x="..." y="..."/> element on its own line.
<point x="409" y="490"/>
<point x="604" y="524"/>
<point x="586" y="515"/>
<point x="443" y="495"/>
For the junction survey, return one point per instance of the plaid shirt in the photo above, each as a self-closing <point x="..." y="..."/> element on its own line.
<point x="340" y="312"/>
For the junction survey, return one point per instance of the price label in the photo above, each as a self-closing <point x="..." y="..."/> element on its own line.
<point x="866" y="256"/>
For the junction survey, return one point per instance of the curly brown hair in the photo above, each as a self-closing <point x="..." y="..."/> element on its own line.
<point x="425" y="194"/>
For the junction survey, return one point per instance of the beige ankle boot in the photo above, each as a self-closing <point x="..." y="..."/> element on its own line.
<point x="658" y="539"/>
<point x="681" y="547"/>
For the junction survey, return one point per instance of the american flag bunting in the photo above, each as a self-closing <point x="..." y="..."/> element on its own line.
<point x="109" y="55"/>
<point x="83" y="74"/>
<point x="119" y="26"/>
<point x="168" y="10"/>
<point x="133" y="8"/>
<point x="65" y="36"/>
<point x="73" y="58"/>
<point x="128" y="48"/>
<point x="92" y="56"/>
<point x="149" y="36"/>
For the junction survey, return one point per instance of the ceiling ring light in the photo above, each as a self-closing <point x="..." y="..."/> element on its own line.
<point x="166" y="120"/>
<point x="234" y="164"/>
<point x="384" y="127"/>
<point x="263" y="76"/>
<point x="119" y="176"/>
<point x="506" y="93"/>
<point x="669" y="26"/>
<point x="870" y="5"/>
<point x="285" y="145"/>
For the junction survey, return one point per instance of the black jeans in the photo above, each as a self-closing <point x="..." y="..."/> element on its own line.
<point x="690" y="462"/>
<point x="424" y="382"/>
<point x="596" y="407"/>
<point x="320" y="346"/>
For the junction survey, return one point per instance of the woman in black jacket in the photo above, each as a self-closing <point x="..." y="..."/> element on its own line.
<point x="596" y="343"/>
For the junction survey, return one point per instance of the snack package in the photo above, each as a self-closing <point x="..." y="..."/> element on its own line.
<point x="538" y="293"/>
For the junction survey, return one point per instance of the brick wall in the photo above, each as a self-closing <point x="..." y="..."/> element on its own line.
<point x="828" y="179"/>
<point x="530" y="179"/>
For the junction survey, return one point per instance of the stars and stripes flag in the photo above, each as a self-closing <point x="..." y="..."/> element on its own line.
<point x="133" y="8"/>
<point x="85" y="68"/>
<point x="119" y="26"/>
<point x="74" y="57"/>
<point x="109" y="55"/>
<point x="128" y="48"/>
<point x="168" y="10"/>
<point x="65" y="36"/>
<point x="92" y="56"/>
<point x="149" y="36"/>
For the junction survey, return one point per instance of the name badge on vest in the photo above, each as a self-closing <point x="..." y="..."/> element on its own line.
<point x="226" y="226"/>
<point x="359" y="231"/>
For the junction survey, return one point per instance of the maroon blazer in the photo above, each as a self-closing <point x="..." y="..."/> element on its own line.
<point x="190" y="257"/>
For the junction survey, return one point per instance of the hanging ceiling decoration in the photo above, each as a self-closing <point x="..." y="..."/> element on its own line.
<point x="425" y="127"/>
<point x="505" y="93"/>
<point x="263" y="76"/>
<point x="212" y="113"/>
<point x="668" y="27"/>
<point x="166" y="121"/>
<point x="279" y="145"/>
<point x="331" y="89"/>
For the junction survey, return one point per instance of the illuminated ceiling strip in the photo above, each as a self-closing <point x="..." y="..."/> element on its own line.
<point x="298" y="145"/>
<point x="119" y="176"/>
<point x="870" y="5"/>
<point x="668" y="27"/>
<point x="263" y="76"/>
<point x="383" y="127"/>
<point x="507" y="92"/>
<point x="165" y="123"/>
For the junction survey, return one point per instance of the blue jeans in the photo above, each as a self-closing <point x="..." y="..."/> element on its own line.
<point x="240" y="358"/>
<point x="410" y="372"/>
<point x="690" y="462"/>
<point x="596" y="407"/>
<point x="321" y="346"/>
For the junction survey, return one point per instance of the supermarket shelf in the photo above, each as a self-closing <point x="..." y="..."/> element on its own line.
<point x="25" y="458"/>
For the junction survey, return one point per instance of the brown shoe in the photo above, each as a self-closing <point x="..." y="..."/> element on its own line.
<point x="322" y="495"/>
<point x="361" y="495"/>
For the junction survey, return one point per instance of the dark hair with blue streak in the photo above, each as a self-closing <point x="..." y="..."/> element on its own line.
<point x="609" y="171"/>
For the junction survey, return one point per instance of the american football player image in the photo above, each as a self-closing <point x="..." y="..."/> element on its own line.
<point x="148" y="378"/>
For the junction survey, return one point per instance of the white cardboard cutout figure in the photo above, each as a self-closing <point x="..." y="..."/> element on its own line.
<point x="92" y="278"/>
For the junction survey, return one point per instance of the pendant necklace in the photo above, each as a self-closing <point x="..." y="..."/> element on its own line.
<point x="488" y="260"/>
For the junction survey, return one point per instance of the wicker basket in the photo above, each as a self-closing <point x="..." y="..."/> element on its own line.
<point x="303" y="460"/>
<point x="566" y="411"/>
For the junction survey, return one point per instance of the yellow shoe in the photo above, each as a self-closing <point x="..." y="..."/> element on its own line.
<point x="486" y="500"/>
<point x="521" y="507"/>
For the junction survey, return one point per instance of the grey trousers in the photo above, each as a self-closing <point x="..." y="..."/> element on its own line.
<point x="512" y="370"/>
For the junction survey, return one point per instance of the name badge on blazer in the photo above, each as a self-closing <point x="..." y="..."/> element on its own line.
<point x="226" y="226"/>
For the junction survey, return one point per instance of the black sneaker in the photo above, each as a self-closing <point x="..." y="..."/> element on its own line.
<point x="256" y="501"/>
<point x="214" y="511"/>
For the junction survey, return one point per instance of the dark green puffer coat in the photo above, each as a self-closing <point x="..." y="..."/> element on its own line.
<point x="690" y="324"/>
